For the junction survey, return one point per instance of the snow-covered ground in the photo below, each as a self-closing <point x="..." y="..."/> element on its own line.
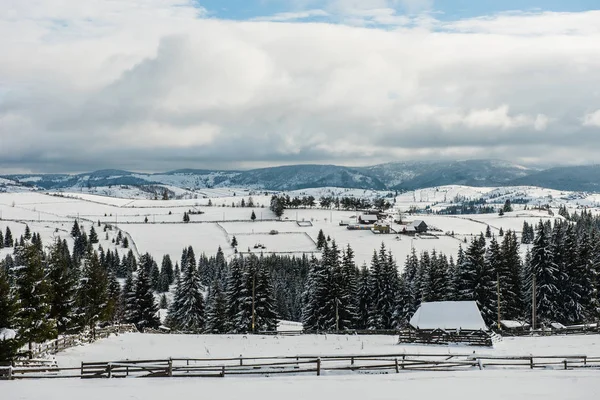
<point x="491" y="385"/>
<point x="165" y="233"/>
<point x="151" y="346"/>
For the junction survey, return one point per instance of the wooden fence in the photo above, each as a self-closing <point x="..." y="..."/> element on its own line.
<point x="296" y="365"/>
<point x="68" y="341"/>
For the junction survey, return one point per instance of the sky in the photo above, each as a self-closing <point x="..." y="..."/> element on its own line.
<point x="156" y="85"/>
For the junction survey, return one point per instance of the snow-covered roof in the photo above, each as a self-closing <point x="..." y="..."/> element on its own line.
<point x="417" y="222"/>
<point x="512" y="324"/>
<point x="7" y="334"/>
<point x="448" y="315"/>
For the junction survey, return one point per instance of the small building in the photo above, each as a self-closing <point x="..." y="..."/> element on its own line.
<point x="419" y="226"/>
<point x="446" y="322"/>
<point x="448" y="315"/>
<point x="368" y="218"/>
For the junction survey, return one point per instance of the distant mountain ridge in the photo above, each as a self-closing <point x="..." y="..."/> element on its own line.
<point x="391" y="176"/>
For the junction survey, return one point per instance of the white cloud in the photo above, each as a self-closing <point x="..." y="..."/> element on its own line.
<point x="93" y="84"/>
<point x="293" y="16"/>
<point x="592" y="119"/>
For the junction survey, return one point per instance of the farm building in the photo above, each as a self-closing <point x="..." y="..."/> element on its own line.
<point x="368" y="218"/>
<point x="445" y="322"/>
<point x="419" y="226"/>
<point x="448" y="315"/>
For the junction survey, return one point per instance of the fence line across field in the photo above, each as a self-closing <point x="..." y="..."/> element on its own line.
<point x="304" y="364"/>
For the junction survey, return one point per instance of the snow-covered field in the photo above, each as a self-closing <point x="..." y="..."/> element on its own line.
<point x="489" y="384"/>
<point x="165" y="232"/>
<point x="150" y="346"/>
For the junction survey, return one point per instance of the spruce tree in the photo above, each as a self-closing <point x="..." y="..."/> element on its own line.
<point x="92" y="294"/>
<point x="545" y="272"/>
<point x="27" y="235"/>
<point x="75" y="231"/>
<point x="63" y="279"/>
<point x="233" y="292"/>
<point x="34" y="322"/>
<point x="216" y="310"/>
<point x="190" y="312"/>
<point x="321" y="239"/>
<point x="8" y="317"/>
<point x="8" y="239"/>
<point x="142" y="308"/>
<point x="93" y="238"/>
<point x="364" y="298"/>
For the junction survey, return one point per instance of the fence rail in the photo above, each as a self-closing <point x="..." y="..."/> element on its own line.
<point x="306" y="364"/>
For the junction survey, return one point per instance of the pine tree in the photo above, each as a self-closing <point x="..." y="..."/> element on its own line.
<point x="8" y="239"/>
<point x="384" y="288"/>
<point x="92" y="294"/>
<point x="321" y="239"/>
<point x="93" y="238"/>
<point x="63" y="278"/>
<point x="364" y="298"/>
<point x="233" y="292"/>
<point x="216" y="310"/>
<point x="189" y="314"/>
<point x="27" y="235"/>
<point x="510" y="275"/>
<point x="142" y="308"/>
<point x="34" y="322"/>
<point x="1" y="240"/>
<point x="8" y="317"/>
<point x="75" y="231"/>
<point x="488" y="232"/>
<point x="545" y="272"/>
<point x="234" y="242"/>
<point x="253" y="216"/>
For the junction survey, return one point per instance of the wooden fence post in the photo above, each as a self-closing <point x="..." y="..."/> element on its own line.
<point x="241" y="360"/>
<point x="396" y="361"/>
<point x="319" y="366"/>
<point x="531" y="362"/>
<point x="565" y="363"/>
<point x="351" y="360"/>
<point x="109" y="367"/>
<point x="10" y="372"/>
<point x="223" y="371"/>
<point x="403" y="361"/>
<point x="170" y="368"/>
<point x="82" y="369"/>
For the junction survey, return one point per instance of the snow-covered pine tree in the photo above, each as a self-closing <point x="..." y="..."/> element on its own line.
<point x="8" y="317"/>
<point x="8" y="239"/>
<point x="313" y="295"/>
<point x="143" y="309"/>
<point x="364" y="298"/>
<point x="582" y="277"/>
<point x="93" y="238"/>
<point x="216" y="309"/>
<point x="321" y="240"/>
<point x="167" y="265"/>
<point x="337" y="308"/>
<point x="233" y="292"/>
<point x="63" y="279"/>
<point x="384" y="288"/>
<point x="190" y="312"/>
<point x="75" y="231"/>
<point x="34" y="322"/>
<point x="511" y="286"/>
<point x="92" y="293"/>
<point x="545" y="272"/>
<point x="264" y="300"/>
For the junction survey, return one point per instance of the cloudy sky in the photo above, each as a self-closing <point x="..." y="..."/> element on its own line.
<point x="154" y="85"/>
